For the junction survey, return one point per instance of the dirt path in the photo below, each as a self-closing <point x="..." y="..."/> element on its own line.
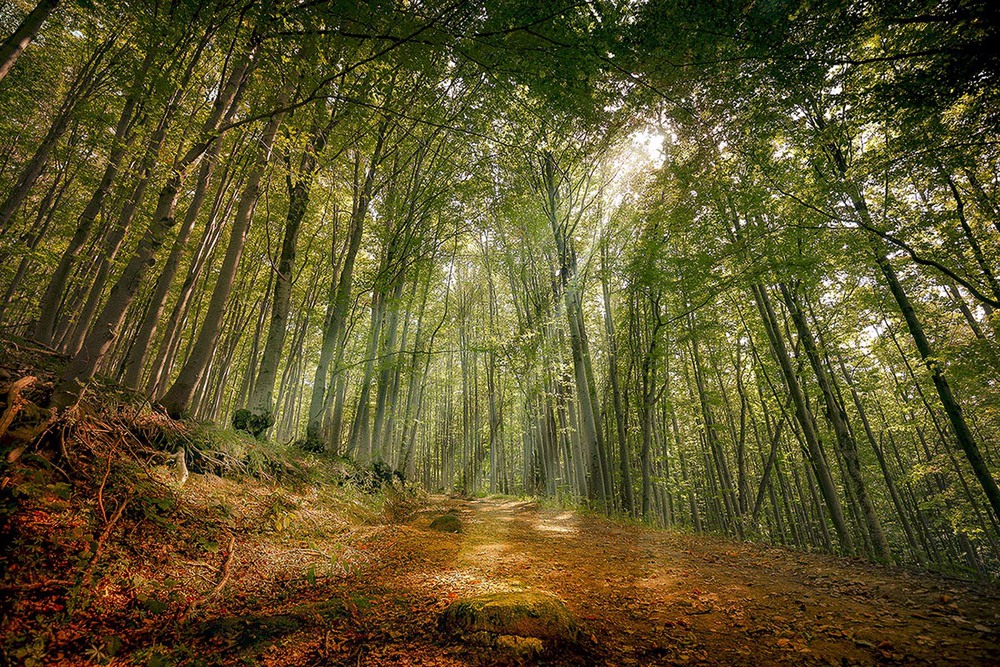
<point x="648" y="598"/>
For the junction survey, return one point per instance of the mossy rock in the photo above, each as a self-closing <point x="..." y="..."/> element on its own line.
<point x="524" y="614"/>
<point x="253" y="423"/>
<point x="447" y="523"/>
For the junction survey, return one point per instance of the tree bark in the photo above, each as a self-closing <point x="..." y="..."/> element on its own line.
<point x="625" y="465"/>
<point x="261" y="400"/>
<point x="838" y="419"/>
<point x="84" y="364"/>
<point x="132" y="370"/>
<point x="14" y="46"/>
<point x="48" y="307"/>
<point x="332" y="350"/>
<point x="827" y="487"/>
<point x="81" y="88"/>
<point x="177" y="400"/>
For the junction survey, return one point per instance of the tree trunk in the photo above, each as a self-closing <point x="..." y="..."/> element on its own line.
<point x="83" y="85"/>
<point x="43" y="220"/>
<point x="827" y="487"/>
<point x="628" y="499"/>
<point x="838" y="419"/>
<point x="14" y="46"/>
<point x="333" y="350"/>
<point x="960" y="428"/>
<point x="48" y="307"/>
<point x="261" y="400"/>
<point x="82" y="367"/>
<point x="132" y="371"/>
<point x="166" y="355"/>
<point x="177" y="400"/>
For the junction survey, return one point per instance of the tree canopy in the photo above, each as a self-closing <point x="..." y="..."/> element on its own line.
<point x="729" y="266"/>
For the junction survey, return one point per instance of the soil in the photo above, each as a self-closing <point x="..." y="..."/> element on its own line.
<point x="104" y="560"/>
<point x="640" y="596"/>
<point x="646" y="597"/>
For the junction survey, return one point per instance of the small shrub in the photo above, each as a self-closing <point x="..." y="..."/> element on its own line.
<point x="254" y="424"/>
<point x="401" y="502"/>
<point x="374" y="478"/>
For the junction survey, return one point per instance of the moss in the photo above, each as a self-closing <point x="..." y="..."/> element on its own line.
<point x="252" y="423"/>
<point x="252" y="629"/>
<point x="245" y="631"/>
<point x="519" y="614"/>
<point x="447" y="523"/>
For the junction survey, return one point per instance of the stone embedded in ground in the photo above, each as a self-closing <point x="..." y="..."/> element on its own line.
<point x="505" y="619"/>
<point x="447" y="523"/>
<point x="505" y="647"/>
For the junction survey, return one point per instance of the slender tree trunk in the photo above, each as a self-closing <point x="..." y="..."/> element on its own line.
<point x="82" y="87"/>
<point x="389" y="368"/>
<point x="565" y="286"/>
<point x="48" y="307"/>
<point x="333" y="349"/>
<point x="166" y="355"/>
<point x="158" y="301"/>
<point x="825" y="481"/>
<point x="261" y="400"/>
<point x="84" y="364"/>
<point x="960" y="428"/>
<point x="43" y="220"/>
<point x="838" y="419"/>
<point x="360" y="439"/>
<point x="74" y="340"/>
<point x="177" y="400"/>
<point x="715" y="449"/>
<point x="883" y="465"/>
<point x="14" y="46"/>
<point x="628" y="499"/>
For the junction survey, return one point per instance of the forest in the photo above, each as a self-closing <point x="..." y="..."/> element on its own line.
<point x="726" y="268"/>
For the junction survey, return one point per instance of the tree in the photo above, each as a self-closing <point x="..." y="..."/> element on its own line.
<point x="12" y="47"/>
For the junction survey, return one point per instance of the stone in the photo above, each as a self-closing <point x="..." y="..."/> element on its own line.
<point x="447" y="523"/>
<point x="517" y="614"/>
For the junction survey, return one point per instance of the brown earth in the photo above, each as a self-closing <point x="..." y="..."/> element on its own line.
<point x="319" y="591"/>
<point x="646" y="597"/>
<point x="104" y="561"/>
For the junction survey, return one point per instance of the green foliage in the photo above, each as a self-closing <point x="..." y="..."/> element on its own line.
<point x="520" y="255"/>
<point x="254" y="424"/>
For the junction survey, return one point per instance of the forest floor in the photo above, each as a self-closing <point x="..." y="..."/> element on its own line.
<point x="641" y="596"/>
<point x="106" y="560"/>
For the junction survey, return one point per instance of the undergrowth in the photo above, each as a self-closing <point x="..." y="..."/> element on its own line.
<point x="107" y="550"/>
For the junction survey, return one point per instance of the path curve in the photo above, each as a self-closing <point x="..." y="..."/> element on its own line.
<point x="646" y="597"/>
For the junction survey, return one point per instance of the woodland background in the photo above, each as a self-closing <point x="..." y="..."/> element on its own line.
<point x="730" y="267"/>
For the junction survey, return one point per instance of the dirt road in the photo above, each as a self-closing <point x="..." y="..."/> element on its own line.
<point x="643" y="597"/>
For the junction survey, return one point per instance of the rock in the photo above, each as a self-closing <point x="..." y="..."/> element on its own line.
<point x="503" y="619"/>
<point x="447" y="523"/>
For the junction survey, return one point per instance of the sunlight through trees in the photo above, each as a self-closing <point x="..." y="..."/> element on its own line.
<point x="726" y="267"/>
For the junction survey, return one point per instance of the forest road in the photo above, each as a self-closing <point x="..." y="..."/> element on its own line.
<point x="648" y="597"/>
